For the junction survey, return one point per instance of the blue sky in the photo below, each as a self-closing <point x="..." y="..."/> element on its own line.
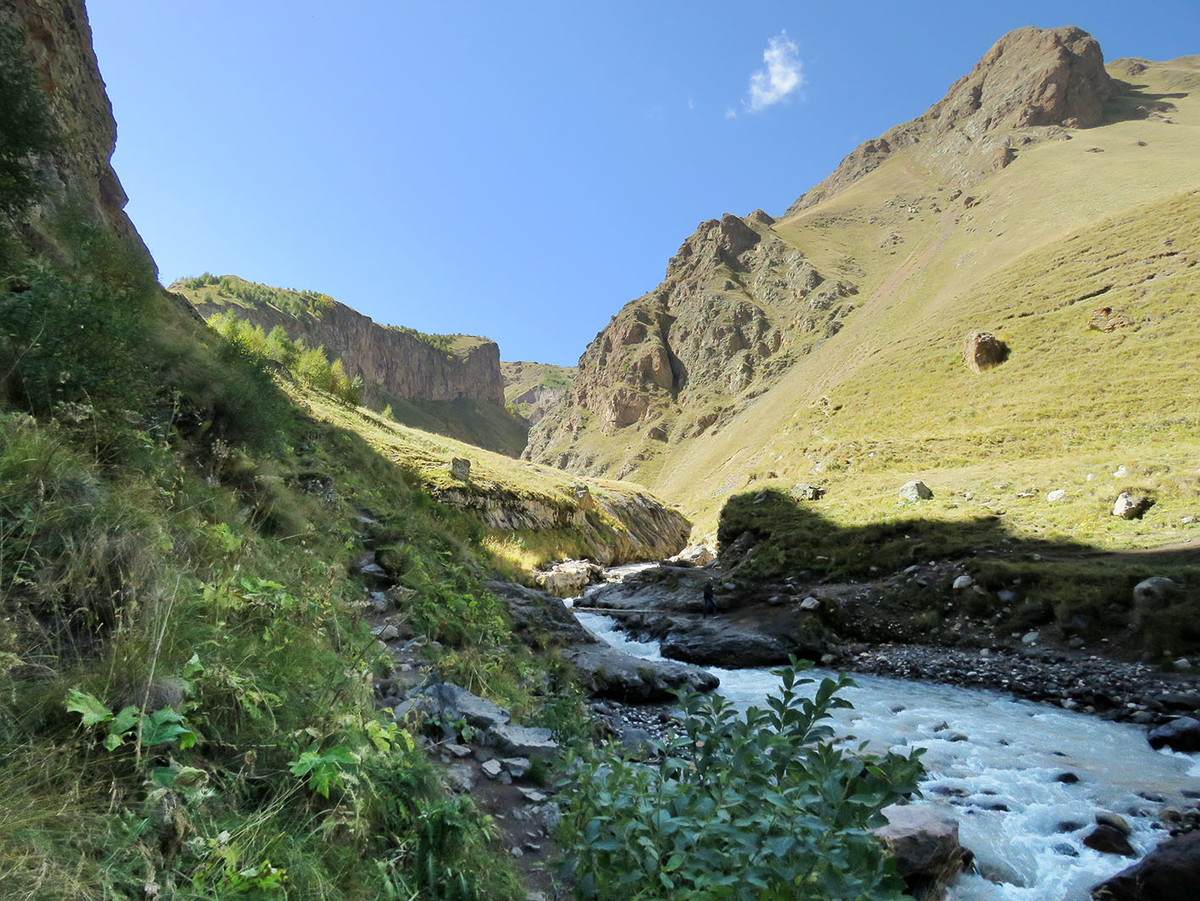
<point x="518" y="170"/>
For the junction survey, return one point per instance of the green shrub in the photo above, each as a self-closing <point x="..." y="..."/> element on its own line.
<point x="759" y="806"/>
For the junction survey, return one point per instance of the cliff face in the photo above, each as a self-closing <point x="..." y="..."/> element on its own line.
<point x="59" y="41"/>
<point x="738" y="306"/>
<point x="390" y="361"/>
<point x="742" y="301"/>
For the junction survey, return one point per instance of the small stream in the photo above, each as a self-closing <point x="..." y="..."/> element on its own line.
<point x="1002" y="781"/>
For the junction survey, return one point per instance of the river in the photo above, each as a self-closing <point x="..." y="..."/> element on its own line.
<point x="1025" y="826"/>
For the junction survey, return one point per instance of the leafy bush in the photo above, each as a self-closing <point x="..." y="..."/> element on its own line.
<point x="759" y="806"/>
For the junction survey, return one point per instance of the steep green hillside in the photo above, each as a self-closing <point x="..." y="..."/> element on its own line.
<point x="186" y="669"/>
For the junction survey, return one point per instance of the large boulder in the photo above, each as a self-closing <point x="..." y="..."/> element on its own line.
<point x="569" y="578"/>
<point x="458" y="703"/>
<point x="983" y="350"/>
<point x="1155" y="593"/>
<point x="1171" y="872"/>
<point x="1182" y="734"/>
<point x="725" y="644"/>
<point x="924" y="842"/>
<point x="539" y="619"/>
<point x="608" y="672"/>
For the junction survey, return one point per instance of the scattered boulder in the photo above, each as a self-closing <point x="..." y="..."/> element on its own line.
<point x="963" y="582"/>
<point x="492" y="768"/>
<point x="806" y="492"/>
<point x="1056" y="495"/>
<point x="608" y="672"/>
<point x="1182" y="734"/>
<point x="914" y="491"/>
<point x="727" y="644"/>
<point x="460" y="468"/>
<point x="983" y="350"/>
<point x="924" y="843"/>
<point x="1170" y="872"/>
<point x="1131" y="506"/>
<point x="810" y="604"/>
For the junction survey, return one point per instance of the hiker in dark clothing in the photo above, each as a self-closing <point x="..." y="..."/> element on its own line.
<point x="710" y="603"/>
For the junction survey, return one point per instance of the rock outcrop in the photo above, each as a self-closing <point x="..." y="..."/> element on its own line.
<point x="80" y="174"/>
<point x="391" y="361"/>
<point x="1032" y="78"/>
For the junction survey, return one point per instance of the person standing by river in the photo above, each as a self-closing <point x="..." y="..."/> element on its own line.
<point x="710" y="602"/>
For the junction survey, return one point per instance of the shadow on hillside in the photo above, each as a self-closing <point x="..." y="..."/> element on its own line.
<point x="1133" y="101"/>
<point x="770" y="534"/>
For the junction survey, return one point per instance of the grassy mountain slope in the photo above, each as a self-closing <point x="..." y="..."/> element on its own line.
<point x="1059" y="224"/>
<point x="885" y="397"/>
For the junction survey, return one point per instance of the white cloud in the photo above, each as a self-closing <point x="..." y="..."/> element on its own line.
<point x="730" y="113"/>
<point x="782" y="76"/>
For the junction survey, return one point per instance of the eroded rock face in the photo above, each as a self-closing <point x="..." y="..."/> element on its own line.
<point x="390" y="361"/>
<point x="1030" y="78"/>
<point x="59" y="40"/>
<point x="924" y="842"/>
<point x="679" y="360"/>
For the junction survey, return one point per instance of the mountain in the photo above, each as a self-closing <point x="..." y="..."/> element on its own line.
<point x="450" y="384"/>
<point x="826" y="345"/>
<point x="533" y="389"/>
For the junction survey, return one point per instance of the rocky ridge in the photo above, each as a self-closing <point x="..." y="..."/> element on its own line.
<point x="1027" y="88"/>
<point x="390" y="361"/>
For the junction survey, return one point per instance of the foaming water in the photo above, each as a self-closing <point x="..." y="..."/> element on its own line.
<point x="1003" y="767"/>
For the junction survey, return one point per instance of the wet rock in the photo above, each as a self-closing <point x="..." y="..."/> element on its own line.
<point x="923" y="841"/>
<point x="727" y="645"/>
<point x="1108" y="840"/>
<point x="608" y="672"/>
<point x="1115" y="820"/>
<point x="1182" y="734"/>
<point x="915" y="491"/>
<point x="1170" y="872"/>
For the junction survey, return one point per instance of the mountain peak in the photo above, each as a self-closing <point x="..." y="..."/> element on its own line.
<point x="1048" y="78"/>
